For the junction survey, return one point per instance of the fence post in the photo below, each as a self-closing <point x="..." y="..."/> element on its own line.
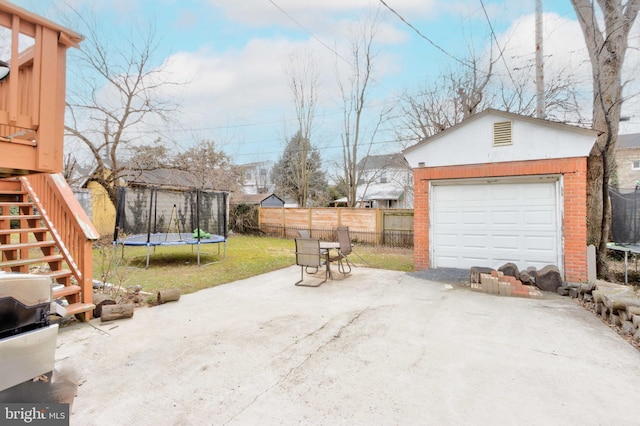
<point x="379" y="225"/>
<point x="283" y="231"/>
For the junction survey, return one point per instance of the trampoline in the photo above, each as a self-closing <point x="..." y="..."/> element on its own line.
<point x="625" y="224"/>
<point x="153" y="217"/>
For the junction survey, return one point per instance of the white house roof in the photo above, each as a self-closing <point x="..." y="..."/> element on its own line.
<point x="472" y="141"/>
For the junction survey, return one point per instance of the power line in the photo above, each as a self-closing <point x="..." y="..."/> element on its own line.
<point x="309" y="32"/>
<point x="497" y="44"/>
<point x="424" y="36"/>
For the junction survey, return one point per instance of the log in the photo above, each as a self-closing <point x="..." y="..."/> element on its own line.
<point x="614" y="319"/>
<point x="168" y="295"/>
<point x="604" y="312"/>
<point x="619" y="302"/>
<point x="101" y="299"/>
<point x="114" y="312"/>
<point x="623" y="315"/>
<point x="628" y="327"/>
<point x="597" y="294"/>
<point x="587" y="288"/>
<point x="635" y="319"/>
<point x="633" y="310"/>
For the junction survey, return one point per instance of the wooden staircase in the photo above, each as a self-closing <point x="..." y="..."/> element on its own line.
<point x="40" y="233"/>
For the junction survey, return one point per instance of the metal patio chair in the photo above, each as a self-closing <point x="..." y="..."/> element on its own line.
<point x="308" y="255"/>
<point x="344" y="239"/>
<point x="304" y="233"/>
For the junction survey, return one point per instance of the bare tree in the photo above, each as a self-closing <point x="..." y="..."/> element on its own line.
<point x="209" y="167"/>
<point x="453" y="97"/>
<point x="463" y="91"/>
<point x="606" y="31"/>
<point x="354" y="90"/>
<point x="302" y="71"/>
<point x="119" y="93"/>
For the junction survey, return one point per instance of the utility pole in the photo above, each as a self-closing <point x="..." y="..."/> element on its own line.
<point x="539" y="63"/>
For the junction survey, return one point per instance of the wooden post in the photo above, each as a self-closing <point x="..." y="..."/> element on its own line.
<point x="169" y="295"/>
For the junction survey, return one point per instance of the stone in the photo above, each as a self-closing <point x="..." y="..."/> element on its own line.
<point x="510" y="269"/>
<point x="563" y="290"/>
<point x="573" y="293"/>
<point x="533" y="272"/>
<point x="549" y="279"/>
<point x="525" y="278"/>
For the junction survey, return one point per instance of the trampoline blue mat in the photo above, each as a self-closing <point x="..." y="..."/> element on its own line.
<point x="172" y="239"/>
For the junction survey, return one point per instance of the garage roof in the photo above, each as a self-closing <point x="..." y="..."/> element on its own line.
<point x="473" y="141"/>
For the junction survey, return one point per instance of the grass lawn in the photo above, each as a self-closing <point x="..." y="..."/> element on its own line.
<point x="247" y="256"/>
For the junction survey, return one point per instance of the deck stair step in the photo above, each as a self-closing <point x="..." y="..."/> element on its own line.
<point x="66" y="291"/>
<point x="20" y="216"/>
<point x="79" y="308"/>
<point x="59" y="274"/>
<point x="21" y="262"/>
<point x="30" y="245"/>
<point x="15" y="204"/>
<point x="37" y="230"/>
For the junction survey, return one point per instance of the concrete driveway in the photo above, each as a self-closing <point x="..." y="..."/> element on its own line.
<point x="379" y="347"/>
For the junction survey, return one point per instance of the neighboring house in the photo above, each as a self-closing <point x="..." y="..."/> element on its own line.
<point x="257" y="177"/>
<point x="386" y="181"/>
<point x="627" y="157"/>
<point x="263" y="200"/>
<point x="501" y="187"/>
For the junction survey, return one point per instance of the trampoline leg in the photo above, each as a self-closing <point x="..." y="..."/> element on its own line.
<point x="626" y="267"/>
<point x="148" y="253"/>
<point x="198" y="254"/>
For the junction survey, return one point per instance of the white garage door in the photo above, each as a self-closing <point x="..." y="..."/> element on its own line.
<point x="490" y="224"/>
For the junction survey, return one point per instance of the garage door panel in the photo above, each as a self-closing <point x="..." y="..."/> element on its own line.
<point x="447" y="240"/>
<point x="541" y="243"/>
<point x="505" y="242"/>
<point x="447" y="217"/>
<point x="503" y="193"/>
<point x="474" y="217"/>
<point x="492" y="224"/>
<point x="505" y="217"/>
<point x="540" y="218"/>
<point x="473" y="241"/>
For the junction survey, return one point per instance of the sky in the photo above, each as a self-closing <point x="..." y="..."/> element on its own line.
<point x="230" y="57"/>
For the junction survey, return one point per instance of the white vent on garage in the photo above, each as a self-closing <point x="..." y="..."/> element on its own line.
<point x="502" y="133"/>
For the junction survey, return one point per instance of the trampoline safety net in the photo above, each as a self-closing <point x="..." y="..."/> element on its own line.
<point x="625" y="216"/>
<point x="154" y="210"/>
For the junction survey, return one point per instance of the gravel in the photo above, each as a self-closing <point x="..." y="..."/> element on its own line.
<point x="444" y="275"/>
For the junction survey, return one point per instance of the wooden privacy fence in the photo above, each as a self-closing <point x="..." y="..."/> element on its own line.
<point x="389" y="227"/>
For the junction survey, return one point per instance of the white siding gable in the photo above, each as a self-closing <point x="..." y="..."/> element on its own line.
<point x="471" y="142"/>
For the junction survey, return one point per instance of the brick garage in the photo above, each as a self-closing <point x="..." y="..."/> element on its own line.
<point x="502" y="187"/>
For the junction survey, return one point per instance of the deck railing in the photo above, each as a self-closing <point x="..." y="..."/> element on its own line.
<point x="69" y="225"/>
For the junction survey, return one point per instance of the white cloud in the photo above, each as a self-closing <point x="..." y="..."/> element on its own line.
<point x="316" y="15"/>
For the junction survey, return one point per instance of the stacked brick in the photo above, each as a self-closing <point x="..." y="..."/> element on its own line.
<point x="617" y="304"/>
<point x="496" y="282"/>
